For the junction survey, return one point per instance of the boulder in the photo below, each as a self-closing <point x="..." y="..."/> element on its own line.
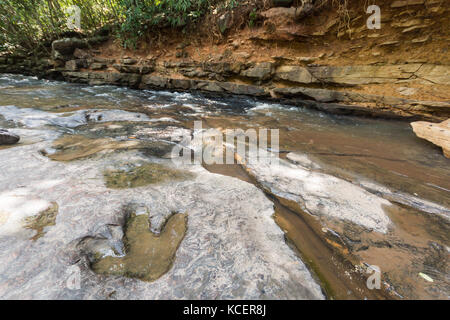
<point x="8" y="138"/>
<point x="67" y="46"/>
<point x="149" y="82"/>
<point x="436" y="133"/>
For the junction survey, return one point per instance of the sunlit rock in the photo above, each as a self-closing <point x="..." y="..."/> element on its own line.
<point x="437" y="133"/>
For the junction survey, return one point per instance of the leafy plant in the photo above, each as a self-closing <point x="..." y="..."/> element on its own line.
<point x="143" y="15"/>
<point x="252" y="18"/>
<point x="25" y="23"/>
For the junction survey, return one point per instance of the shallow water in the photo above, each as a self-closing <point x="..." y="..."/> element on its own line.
<point x="382" y="157"/>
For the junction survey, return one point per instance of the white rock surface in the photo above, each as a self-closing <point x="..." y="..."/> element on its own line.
<point x="233" y="249"/>
<point x="33" y="118"/>
<point x="321" y="194"/>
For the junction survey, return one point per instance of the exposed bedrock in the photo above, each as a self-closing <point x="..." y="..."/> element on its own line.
<point x="325" y="87"/>
<point x="438" y="134"/>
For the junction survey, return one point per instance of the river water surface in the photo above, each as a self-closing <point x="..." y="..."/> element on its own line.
<point x="349" y="193"/>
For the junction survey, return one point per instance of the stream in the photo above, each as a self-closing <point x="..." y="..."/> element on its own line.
<point x="348" y="195"/>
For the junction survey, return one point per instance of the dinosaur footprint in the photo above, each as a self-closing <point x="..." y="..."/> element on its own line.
<point x="148" y="256"/>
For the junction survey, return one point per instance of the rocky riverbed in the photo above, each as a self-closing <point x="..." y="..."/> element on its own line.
<point x="92" y="205"/>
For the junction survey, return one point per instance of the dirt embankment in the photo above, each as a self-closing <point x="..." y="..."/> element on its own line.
<point x="325" y="58"/>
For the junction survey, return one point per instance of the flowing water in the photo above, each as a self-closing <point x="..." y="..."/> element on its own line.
<point x="351" y="193"/>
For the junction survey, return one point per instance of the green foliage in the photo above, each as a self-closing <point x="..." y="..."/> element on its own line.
<point x="26" y="23"/>
<point x="252" y="18"/>
<point x="143" y="15"/>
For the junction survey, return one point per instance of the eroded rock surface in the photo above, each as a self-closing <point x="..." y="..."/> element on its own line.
<point x="141" y="174"/>
<point x="320" y="194"/>
<point x="148" y="256"/>
<point x="437" y="133"/>
<point x="232" y="247"/>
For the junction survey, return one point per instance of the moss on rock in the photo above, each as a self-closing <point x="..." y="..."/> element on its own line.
<point x="142" y="175"/>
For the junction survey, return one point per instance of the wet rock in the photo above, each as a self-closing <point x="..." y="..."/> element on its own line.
<point x="140" y="175"/>
<point x="148" y="255"/>
<point x="438" y="134"/>
<point x="42" y="220"/>
<point x="243" y="89"/>
<point x="317" y="193"/>
<point x="231" y="245"/>
<point x="101" y="78"/>
<point x="149" y="82"/>
<point x="74" y="147"/>
<point x="8" y="138"/>
<point x="302" y="160"/>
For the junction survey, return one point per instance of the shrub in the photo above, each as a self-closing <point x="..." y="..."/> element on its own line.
<point x="143" y="15"/>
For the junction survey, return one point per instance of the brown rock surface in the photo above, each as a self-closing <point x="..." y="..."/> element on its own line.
<point x="437" y="133"/>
